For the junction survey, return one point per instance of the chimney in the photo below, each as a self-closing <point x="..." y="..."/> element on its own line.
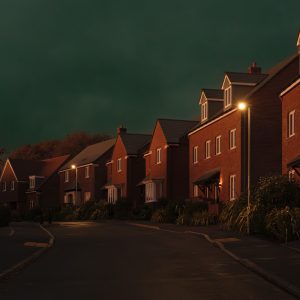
<point x="254" y="69"/>
<point x="121" y="129"/>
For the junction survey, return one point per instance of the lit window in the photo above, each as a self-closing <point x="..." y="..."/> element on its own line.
<point x="158" y="155"/>
<point x="232" y="185"/>
<point x="195" y="154"/>
<point x="204" y="111"/>
<point x="232" y="139"/>
<point x="112" y="195"/>
<point x="207" y="149"/>
<point x="291" y="123"/>
<point x="31" y="182"/>
<point x="150" y="192"/>
<point x="218" y="145"/>
<point x="227" y="95"/>
<point x="4" y="186"/>
<point x="87" y="196"/>
<point x="291" y="175"/>
<point x="12" y="186"/>
<point x="87" y="171"/>
<point x="119" y="165"/>
<point x="67" y="176"/>
<point x="196" y="191"/>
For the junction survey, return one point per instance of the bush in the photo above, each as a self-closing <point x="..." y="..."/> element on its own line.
<point x="64" y="214"/>
<point x="284" y="224"/>
<point x="183" y="219"/>
<point x="85" y="211"/>
<point x="122" y="209"/>
<point x="102" y="211"/>
<point x="274" y="192"/>
<point x="203" y="218"/>
<point x="5" y="216"/>
<point x="159" y="216"/>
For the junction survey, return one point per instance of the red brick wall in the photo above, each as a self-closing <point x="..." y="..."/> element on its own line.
<point x="154" y="170"/>
<point x="266" y="128"/>
<point x="15" y="199"/>
<point x="229" y="161"/>
<point x="290" y="145"/>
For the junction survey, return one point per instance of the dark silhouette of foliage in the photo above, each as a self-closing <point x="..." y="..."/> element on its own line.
<point x="72" y="144"/>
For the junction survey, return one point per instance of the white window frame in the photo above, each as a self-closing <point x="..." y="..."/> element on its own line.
<point x="291" y="175"/>
<point x="291" y="123"/>
<point x="150" y="192"/>
<point x="112" y="195"/>
<point x="207" y="149"/>
<point x="12" y="185"/>
<point x="232" y="187"/>
<point x="195" y="155"/>
<point x="218" y="145"/>
<point x="196" y="191"/>
<point x="119" y="165"/>
<point x="4" y="186"/>
<point x="232" y="139"/>
<point x="158" y="156"/>
<point x="228" y="97"/>
<point x="31" y="182"/>
<point x="67" y="176"/>
<point x="87" y="172"/>
<point x="204" y="111"/>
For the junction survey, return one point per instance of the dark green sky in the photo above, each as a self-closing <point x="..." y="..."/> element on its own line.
<point x="93" y="64"/>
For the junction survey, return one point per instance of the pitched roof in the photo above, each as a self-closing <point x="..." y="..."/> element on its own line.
<point x="90" y="154"/>
<point x="213" y="93"/>
<point x="45" y="168"/>
<point x="176" y="129"/>
<point x="134" y="142"/>
<point x="236" y="77"/>
<point x="273" y="72"/>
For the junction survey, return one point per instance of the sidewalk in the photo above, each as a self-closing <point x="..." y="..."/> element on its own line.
<point x="282" y="261"/>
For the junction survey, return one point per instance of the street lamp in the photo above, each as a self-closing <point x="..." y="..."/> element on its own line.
<point x="245" y="106"/>
<point x="75" y="168"/>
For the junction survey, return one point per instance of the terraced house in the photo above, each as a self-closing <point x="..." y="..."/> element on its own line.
<point x="26" y="184"/>
<point x="166" y="174"/>
<point x="82" y="178"/>
<point x="126" y="167"/>
<point x="231" y="148"/>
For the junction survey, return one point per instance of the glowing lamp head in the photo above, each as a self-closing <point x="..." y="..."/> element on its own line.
<point x="242" y="105"/>
<point x="73" y="167"/>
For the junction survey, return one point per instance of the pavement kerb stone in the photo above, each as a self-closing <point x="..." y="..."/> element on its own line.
<point x="275" y="280"/>
<point x="27" y="261"/>
<point x="279" y="282"/>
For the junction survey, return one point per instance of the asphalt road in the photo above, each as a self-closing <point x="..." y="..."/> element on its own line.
<point x="119" y="261"/>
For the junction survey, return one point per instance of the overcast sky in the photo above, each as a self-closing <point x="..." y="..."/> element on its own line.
<point x="93" y="65"/>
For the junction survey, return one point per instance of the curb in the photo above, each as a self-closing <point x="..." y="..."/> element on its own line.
<point x="27" y="261"/>
<point x="270" y="277"/>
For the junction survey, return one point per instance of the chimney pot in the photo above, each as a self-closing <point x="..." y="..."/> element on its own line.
<point x="254" y="69"/>
<point x="121" y="129"/>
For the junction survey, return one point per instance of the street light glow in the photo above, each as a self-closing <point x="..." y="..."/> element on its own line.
<point x="73" y="167"/>
<point x="242" y="105"/>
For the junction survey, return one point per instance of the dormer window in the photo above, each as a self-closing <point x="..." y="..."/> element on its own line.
<point x="204" y="111"/>
<point x="87" y="172"/>
<point x="119" y="165"/>
<point x="228" y="97"/>
<point x="32" y="182"/>
<point x="12" y="186"/>
<point x="158" y="155"/>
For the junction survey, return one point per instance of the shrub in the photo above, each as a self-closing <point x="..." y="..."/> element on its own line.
<point x="183" y="219"/>
<point x="5" y="216"/>
<point x="64" y="214"/>
<point x="159" y="216"/>
<point x="102" y="211"/>
<point x="284" y="224"/>
<point x="203" y="218"/>
<point x="122" y="209"/>
<point x="144" y="212"/>
<point x="85" y="211"/>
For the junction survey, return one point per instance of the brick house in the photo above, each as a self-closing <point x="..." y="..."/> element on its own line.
<point x="290" y="130"/>
<point x="82" y="177"/>
<point x="166" y="160"/>
<point x="26" y="184"/>
<point x="218" y="153"/>
<point x="126" y="167"/>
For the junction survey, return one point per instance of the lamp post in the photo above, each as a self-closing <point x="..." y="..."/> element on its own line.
<point x="75" y="168"/>
<point x="243" y="106"/>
